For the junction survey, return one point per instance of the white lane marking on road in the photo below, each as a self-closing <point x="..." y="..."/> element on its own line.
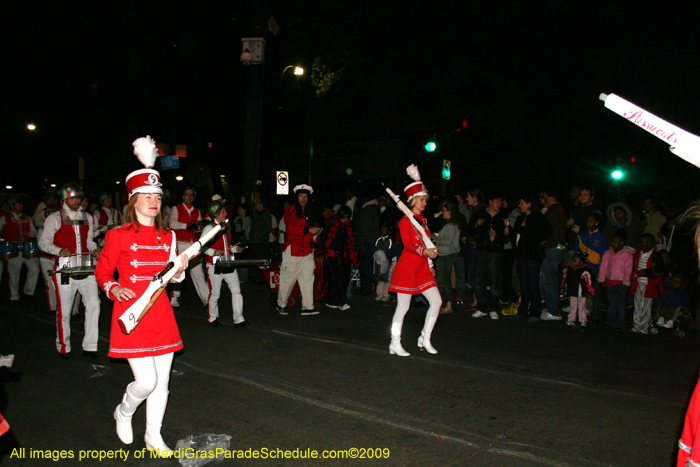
<point x="350" y="412"/>
<point x="422" y="359"/>
<point x="435" y="361"/>
<point x="369" y="417"/>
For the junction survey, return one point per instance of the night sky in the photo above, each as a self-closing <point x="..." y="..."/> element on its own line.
<point x="524" y="75"/>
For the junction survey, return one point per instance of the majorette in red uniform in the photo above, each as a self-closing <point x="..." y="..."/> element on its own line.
<point x="138" y="250"/>
<point x="298" y="254"/>
<point x="182" y="218"/>
<point x="16" y="226"/>
<point x="68" y="236"/>
<point x="414" y="271"/>
<point x="221" y="244"/>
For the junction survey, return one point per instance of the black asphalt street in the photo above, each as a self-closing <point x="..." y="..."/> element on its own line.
<point x="498" y="393"/>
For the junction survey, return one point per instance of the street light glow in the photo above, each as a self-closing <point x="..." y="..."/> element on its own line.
<point x="298" y="70"/>
<point x="179" y="178"/>
<point x="31" y="127"/>
<point x="617" y="174"/>
<point x="8" y="187"/>
<point x="53" y="185"/>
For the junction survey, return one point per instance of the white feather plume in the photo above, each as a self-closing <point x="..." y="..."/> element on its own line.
<point x="412" y="172"/>
<point x="146" y="151"/>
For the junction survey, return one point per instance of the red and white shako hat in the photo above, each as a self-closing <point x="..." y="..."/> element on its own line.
<point x="144" y="180"/>
<point x="416" y="188"/>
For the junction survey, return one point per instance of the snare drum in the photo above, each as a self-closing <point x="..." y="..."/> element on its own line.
<point x="8" y="250"/>
<point x="30" y="250"/>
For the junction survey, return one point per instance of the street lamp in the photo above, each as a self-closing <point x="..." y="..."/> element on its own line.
<point x="31" y="127"/>
<point x="298" y="71"/>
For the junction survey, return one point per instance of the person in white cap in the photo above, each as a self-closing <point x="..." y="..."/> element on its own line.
<point x="138" y="250"/>
<point x="298" y="254"/>
<point x="414" y="272"/>
<point x="68" y="235"/>
<point x="183" y="218"/>
<point x="16" y="226"/>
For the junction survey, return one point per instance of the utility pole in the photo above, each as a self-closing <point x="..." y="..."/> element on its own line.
<point x="253" y="56"/>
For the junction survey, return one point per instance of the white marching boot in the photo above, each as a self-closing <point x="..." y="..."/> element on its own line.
<point x="424" y="339"/>
<point x="395" y="347"/>
<point x="424" y="343"/>
<point x="156" y="404"/>
<point x="123" y="414"/>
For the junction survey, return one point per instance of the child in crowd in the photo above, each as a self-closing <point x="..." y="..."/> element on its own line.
<point x="382" y="262"/>
<point x="615" y="272"/>
<point x="592" y="244"/>
<point x="674" y="301"/>
<point x="647" y="283"/>
<point x="668" y="267"/>
<point x="577" y="284"/>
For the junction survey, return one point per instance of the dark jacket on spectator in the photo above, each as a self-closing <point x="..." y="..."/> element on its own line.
<point x="535" y="231"/>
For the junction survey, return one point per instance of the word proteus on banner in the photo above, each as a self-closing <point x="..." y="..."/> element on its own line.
<point x="683" y="144"/>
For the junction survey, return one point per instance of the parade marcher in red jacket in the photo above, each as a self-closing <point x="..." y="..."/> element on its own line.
<point x="689" y="444"/>
<point x="414" y="272"/>
<point x="298" y="253"/>
<point x="220" y="245"/>
<point x="68" y="236"/>
<point x="18" y="227"/>
<point x="138" y="250"/>
<point x="182" y="220"/>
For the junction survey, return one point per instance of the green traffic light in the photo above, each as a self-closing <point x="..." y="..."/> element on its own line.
<point x="617" y="174"/>
<point x="431" y="146"/>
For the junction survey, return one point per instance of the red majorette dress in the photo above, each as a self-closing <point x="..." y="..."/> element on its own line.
<point x="137" y="257"/>
<point x="412" y="273"/>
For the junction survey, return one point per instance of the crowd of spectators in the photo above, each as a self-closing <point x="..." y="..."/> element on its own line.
<point x="519" y="256"/>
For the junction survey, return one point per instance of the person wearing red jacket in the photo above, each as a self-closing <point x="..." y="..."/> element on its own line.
<point x="414" y="272"/>
<point x="339" y="246"/>
<point x="646" y="284"/>
<point x="689" y="443"/>
<point x="182" y="220"/>
<point x="138" y="250"/>
<point x="298" y="254"/>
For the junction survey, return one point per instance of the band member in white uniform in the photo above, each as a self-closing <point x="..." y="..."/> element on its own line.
<point x="183" y="217"/>
<point x="48" y="262"/>
<point x="18" y="227"/>
<point x="107" y="217"/>
<point x="46" y="206"/>
<point x="221" y="244"/>
<point x="68" y="235"/>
